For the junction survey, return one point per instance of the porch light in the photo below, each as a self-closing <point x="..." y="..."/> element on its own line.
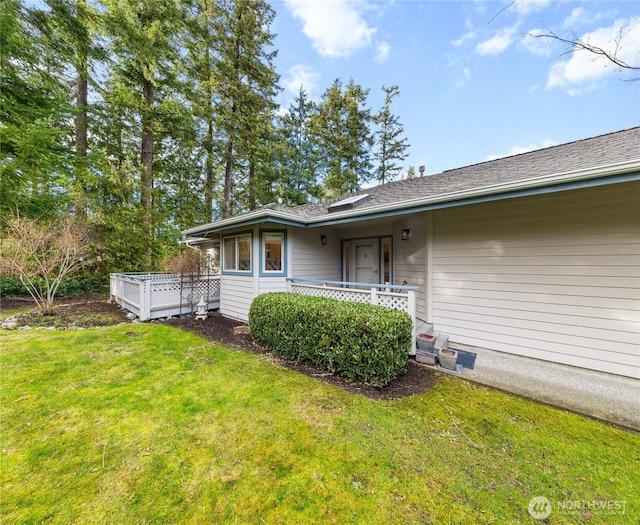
<point x="405" y="234"/>
<point x="323" y="240"/>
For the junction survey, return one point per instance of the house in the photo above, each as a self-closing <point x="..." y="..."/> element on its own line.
<point x="536" y="254"/>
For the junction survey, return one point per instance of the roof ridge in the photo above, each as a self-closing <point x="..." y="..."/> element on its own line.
<point x="538" y="150"/>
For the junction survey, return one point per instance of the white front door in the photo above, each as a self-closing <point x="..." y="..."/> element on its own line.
<point x="365" y="261"/>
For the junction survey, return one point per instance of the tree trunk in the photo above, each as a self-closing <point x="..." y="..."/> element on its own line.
<point x="82" y="89"/>
<point x="146" y="194"/>
<point x="208" y="180"/>
<point x="226" y="200"/>
<point x="252" y="189"/>
<point x="81" y="143"/>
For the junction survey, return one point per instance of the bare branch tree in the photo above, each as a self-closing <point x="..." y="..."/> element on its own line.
<point x="576" y="43"/>
<point x="43" y="255"/>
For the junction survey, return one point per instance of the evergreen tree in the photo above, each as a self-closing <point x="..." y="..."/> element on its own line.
<point x="199" y="65"/>
<point x="341" y="126"/>
<point x="144" y="43"/>
<point x="35" y="157"/>
<point x="245" y="86"/>
<point x="298" y="162"/>
<point x="391" y="144"/>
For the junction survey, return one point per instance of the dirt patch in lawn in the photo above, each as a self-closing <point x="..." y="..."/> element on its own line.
<point x="82" y="311"/>
<point x="234" y="333"/>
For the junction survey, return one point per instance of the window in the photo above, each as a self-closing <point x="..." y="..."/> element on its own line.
<point x="237" y="253"/>
<point x="273" y="253"/>
<point x="386" y="260"/>
<point x="211" y="260"/>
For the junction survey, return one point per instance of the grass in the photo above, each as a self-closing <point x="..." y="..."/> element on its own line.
<point x="148" y="424"/>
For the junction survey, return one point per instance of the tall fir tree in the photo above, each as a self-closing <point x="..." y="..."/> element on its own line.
<point x="198" y="65"/>
<point x="391" y="143"/>
<point x="246" y="84"/>
<point x="341" y="125"/>
<point x="76" y="35"/>
<point x="35" y="158"/>
<point x="144" y="43"/>
<point x="298" y="162"/>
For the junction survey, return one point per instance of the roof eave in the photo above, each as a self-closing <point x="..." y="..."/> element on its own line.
<point x="253" y="217"/>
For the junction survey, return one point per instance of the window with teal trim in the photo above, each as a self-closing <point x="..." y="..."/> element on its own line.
<point x="237" y="253"/>
<point x="272" y="253"/>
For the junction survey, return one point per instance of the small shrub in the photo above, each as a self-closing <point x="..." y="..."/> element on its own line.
<point x="358" y="341"/>
<point x="11" y="286"/>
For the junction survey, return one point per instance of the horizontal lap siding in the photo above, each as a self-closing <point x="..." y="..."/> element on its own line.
<point x="410" y="259"/>
<point x="273" y="284"/>
<point x="554" y="277"/>
<point x="236" y="294"/>
<point x="313" y="260"/>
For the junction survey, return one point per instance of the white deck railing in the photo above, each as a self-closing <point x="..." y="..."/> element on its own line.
<point x="397" y="297"/>
<point x="155" y="295"/>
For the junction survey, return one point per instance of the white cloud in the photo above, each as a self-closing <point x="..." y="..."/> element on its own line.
<point x="621" y="39"/>
<point x="383" y="51"/>
<point x="301" y="75"/>
<point x="499" y="42"/>
<point x="576" y="18"/>
<point x="469" y="35"/>
<point x="463" y="78"/>
<point x="525" y="7"/>
<point x="334" y="26"/>
<point x="536" y="45"/>
<point x="519" y="149"/>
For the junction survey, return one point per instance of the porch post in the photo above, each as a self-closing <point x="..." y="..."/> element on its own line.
<point x="374" y="296"/>
<point x="145" y="299"/>
<point x="411" y="307"/>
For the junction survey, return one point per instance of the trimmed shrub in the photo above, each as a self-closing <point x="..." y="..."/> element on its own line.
<point x="358" y="341"/>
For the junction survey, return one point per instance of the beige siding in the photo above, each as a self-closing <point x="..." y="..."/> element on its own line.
<point x="311" y="259"/>
<point x="236" y="294"/>
<point x="555" y="277"/>
<point x="410" y="258"/>
<point x="272" y="284"/>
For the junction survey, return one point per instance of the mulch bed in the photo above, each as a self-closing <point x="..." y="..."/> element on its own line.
<point x="233" y="333"/>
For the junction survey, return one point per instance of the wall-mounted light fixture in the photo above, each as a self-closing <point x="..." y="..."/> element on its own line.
<point x="405" y="234"/>
<point x="323" y="239"/>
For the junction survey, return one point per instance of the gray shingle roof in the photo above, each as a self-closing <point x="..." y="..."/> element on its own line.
<point x="601" y="151"/>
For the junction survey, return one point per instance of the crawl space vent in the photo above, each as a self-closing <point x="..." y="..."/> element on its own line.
<point x="349" y="203"/>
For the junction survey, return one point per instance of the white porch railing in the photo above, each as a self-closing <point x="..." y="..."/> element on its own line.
<point x="155" y="295"/>
<point x="392" y="296"/>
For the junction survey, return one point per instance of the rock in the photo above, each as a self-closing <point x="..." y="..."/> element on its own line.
<point x="25" y="327"/>
<point x="10" y="324"/>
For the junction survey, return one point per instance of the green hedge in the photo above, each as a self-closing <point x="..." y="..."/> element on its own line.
<point x="11" y="286"/>
<point x="358" y="341"/>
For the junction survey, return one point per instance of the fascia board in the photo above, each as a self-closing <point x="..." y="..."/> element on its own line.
<point x="245" y="220"/>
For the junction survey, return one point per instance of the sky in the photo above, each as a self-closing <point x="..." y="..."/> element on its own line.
<point x="474" y="83"/>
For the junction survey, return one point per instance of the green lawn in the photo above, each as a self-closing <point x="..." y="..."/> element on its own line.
<point x="148" y="424"/>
